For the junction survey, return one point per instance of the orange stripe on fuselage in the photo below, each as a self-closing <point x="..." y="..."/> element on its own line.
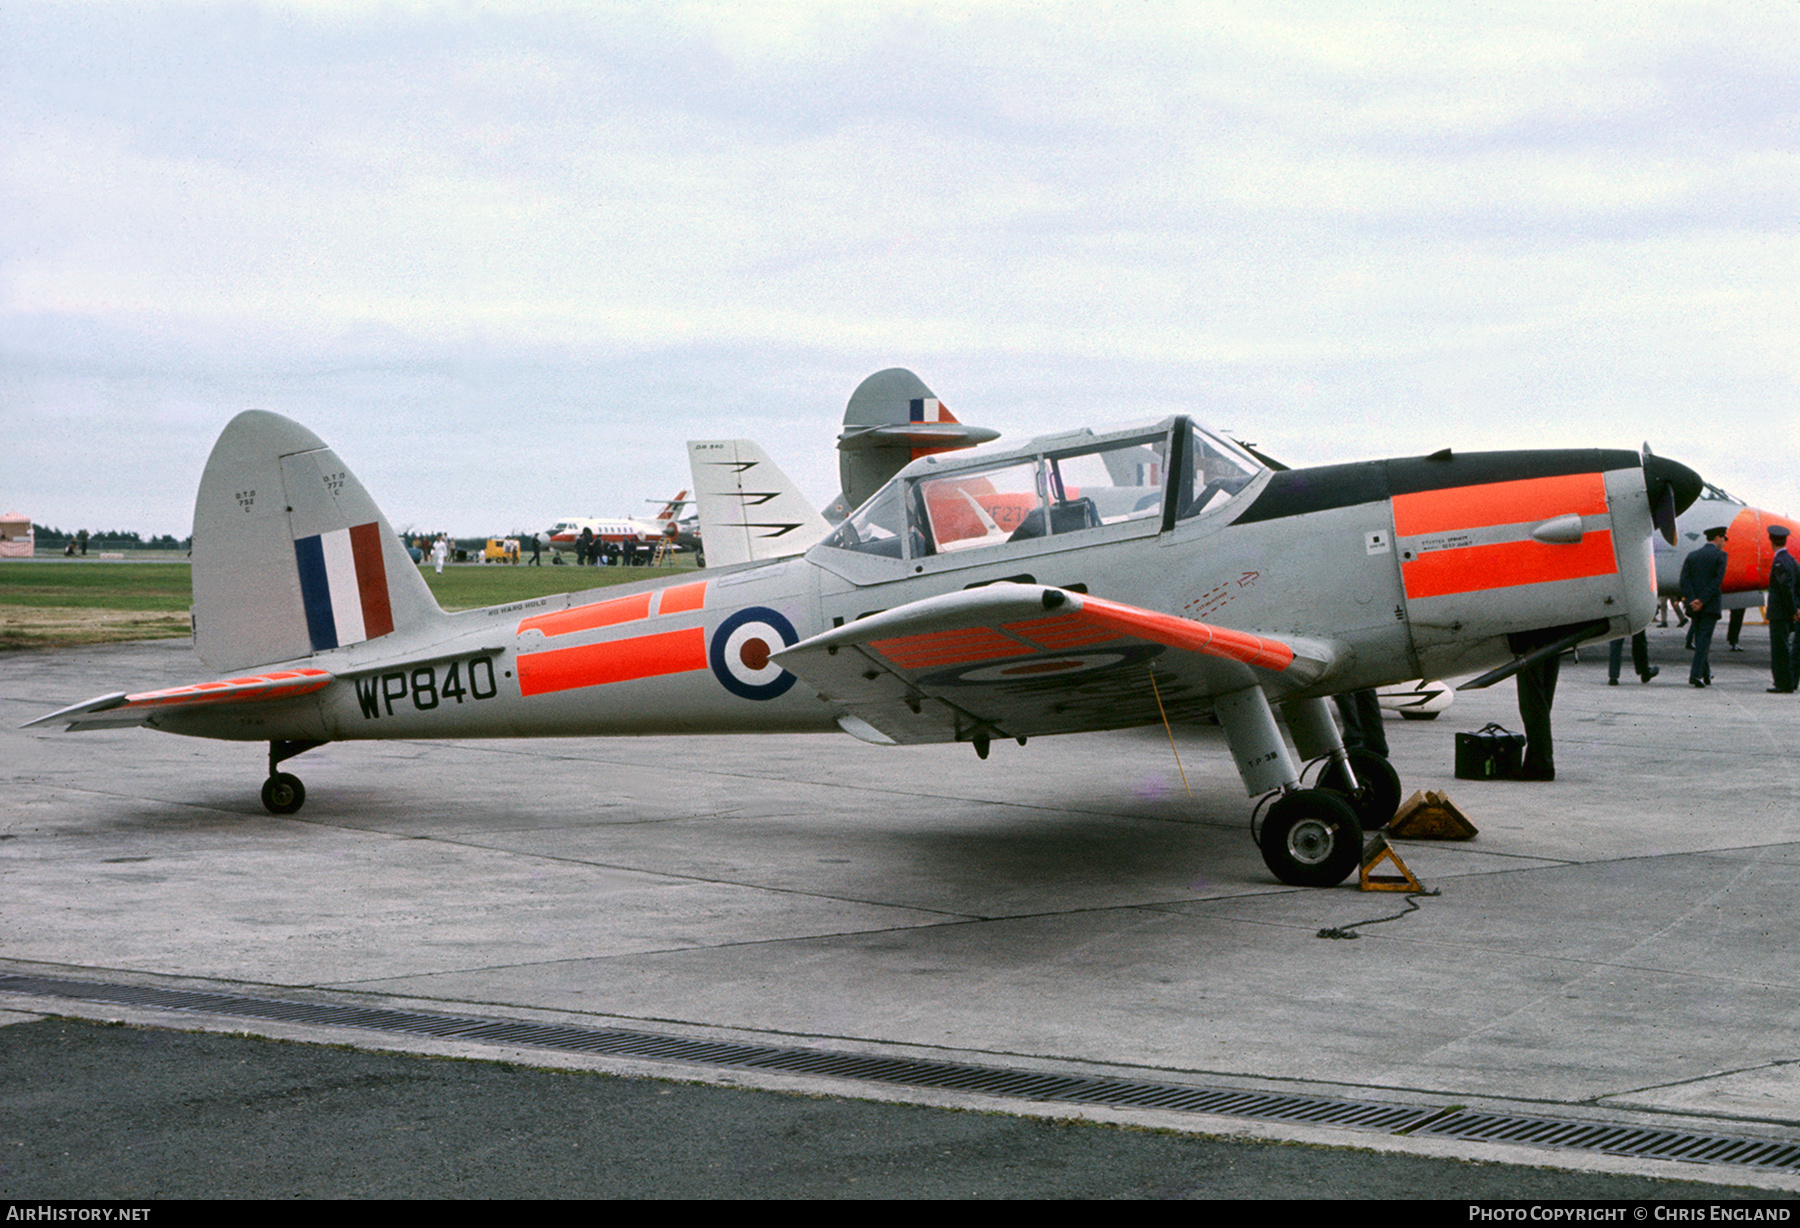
<point x="681" y="598"/>
<point x="1475" y="507"/>
<point x="1471" y="569"/>
<point x="644" y="656"/>
<point x="588" y="617"/>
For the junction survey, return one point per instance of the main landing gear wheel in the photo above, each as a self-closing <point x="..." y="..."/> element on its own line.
<point x="1378" y="795"/>
<point x="283" y="793"/>
<point x="1311" y="839"/>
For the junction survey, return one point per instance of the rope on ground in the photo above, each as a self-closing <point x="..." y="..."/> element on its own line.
<point x="1349" y="931"/>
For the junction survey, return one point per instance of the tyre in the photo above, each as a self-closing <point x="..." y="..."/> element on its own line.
<point x="283" y="793"/>
<point x="1311" y="839"/>
<point x="1379" y="795"/>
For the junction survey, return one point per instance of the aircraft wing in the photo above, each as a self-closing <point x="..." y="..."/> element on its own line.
<point x="122" y="711"/>
<point x="1019" y="660"/>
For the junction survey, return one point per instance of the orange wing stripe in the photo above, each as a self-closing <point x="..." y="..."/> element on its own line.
<point x="1192" y="636"/>
<point x="1474" y="507"/>
<point x="281" y="684"/>
<point x="948" y="648"/>
<point x="1099" y="620"/>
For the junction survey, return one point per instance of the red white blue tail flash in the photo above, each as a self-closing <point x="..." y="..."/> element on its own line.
<point x="343" y="585"/>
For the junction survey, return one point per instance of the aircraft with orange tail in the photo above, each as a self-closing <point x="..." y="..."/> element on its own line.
<point x="1748" y="551"/>
<point x="648" y="531"/>
<point x="1157" y="572"/>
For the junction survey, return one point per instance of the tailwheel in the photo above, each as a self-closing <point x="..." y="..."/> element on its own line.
<point x="1311" y="839"/>
<point x="283" y="793"/>
<point x="1377" y="795"/>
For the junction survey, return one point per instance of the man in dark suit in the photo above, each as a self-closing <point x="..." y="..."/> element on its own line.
<point x="1784" y="607"/>
<point x="1702" y="585"/>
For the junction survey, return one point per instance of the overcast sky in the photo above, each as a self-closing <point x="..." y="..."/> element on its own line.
<point x="507" y="258"/>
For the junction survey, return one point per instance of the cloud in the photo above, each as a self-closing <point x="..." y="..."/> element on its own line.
<point x="612" y="228"/>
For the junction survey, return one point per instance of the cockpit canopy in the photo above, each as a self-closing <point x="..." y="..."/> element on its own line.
<point x="1051" y="487"/>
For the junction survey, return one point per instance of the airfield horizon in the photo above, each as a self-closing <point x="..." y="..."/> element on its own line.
<point x="63" y="603"/>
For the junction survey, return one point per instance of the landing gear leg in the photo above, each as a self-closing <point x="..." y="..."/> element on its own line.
<point x="282" y="792"/>
<point x="1311" y="837"/>
<point x="1361" y="777"/>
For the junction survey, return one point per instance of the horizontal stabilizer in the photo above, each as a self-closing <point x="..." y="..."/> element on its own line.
<point x="1019" y="660"/>
<point x="936" y="436"/>
<point x="892" y="420"/>
<point x="121" y="711"/>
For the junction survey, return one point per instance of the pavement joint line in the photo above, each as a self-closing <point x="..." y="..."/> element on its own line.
<point x="1041" y="1086"/>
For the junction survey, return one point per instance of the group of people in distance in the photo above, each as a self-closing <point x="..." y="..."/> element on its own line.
<point x="1702" y="585"/>
<point x="1702" y="591"/>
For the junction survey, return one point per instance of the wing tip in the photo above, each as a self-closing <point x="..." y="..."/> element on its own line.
<point x="103" y="703"/>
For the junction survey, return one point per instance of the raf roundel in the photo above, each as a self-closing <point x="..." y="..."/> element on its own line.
<point x="741" y="649"/>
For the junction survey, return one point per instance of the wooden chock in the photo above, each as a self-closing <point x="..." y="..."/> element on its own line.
<point x="1377" y="851"/>
<point x="1431" y="816"/>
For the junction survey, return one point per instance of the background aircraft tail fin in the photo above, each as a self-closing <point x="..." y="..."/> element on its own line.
<point x="749" y="509"/>
<point x="291" y="556"/>
<point x="671" y="510"/>
<point x="892" y="420"/>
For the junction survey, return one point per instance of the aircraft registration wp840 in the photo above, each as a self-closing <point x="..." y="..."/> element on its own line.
<point x="1080" y="581"/>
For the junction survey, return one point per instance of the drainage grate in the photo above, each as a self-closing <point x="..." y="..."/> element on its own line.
<point x="1612" y="1139"/>
<point x="1616" y="1139"/>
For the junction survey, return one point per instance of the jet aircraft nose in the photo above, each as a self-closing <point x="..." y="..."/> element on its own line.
<point x="1672" y="487"/>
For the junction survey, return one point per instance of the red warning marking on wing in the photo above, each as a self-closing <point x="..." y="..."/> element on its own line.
<point x="1473" y="569"/>
<point x="588" y="617"/>
<point x="1097" y="621"/>
<point x="1097" y="613"/>
<point x="644" y="656"/>
<point x="1062" y="632"/>
<point x="936" y="648"/>
<point x="281" y="684"/>
<point x="1475" y="507"/>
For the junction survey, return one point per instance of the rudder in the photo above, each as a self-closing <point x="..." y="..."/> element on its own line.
<point x="291" y="555"/>
<point x="750" y="511"/>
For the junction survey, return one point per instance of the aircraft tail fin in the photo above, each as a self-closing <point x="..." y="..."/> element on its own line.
<point x="749" y="509"/>
<point x="672" y="509"/>
<point x="892" y="420"/>
<point x="291" y="556"/>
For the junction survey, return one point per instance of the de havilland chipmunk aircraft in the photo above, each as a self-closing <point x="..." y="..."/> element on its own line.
<point x="1080" y="581"/>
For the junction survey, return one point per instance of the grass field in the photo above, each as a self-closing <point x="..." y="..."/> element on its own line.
<point x="98" y="601"/>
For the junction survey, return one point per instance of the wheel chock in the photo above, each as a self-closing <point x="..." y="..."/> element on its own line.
<point x="1431" y="816"/>
<point x="1377" y="851"/>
